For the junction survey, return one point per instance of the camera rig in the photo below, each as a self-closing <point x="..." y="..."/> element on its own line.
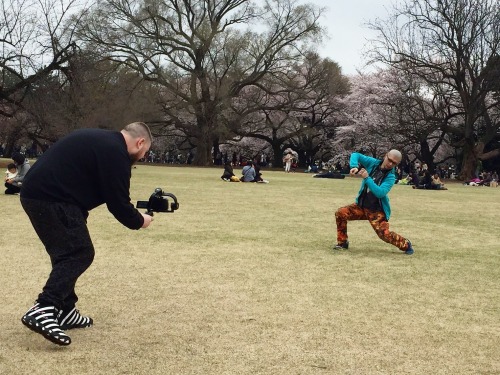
<point x="158" y="202"/>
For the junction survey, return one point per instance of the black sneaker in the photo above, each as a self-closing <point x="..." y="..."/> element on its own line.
<point x="73" y="319"/>
<point x="43" y="320"/>
<point x="341" y="246"/>
<point x="409" y="250"/>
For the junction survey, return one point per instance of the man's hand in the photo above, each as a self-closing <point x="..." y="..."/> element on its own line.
<point x="355" y="172"/>
<point x="9" y="181"/>
<point x="147" y="220"/>
<point x="363" y="173"/>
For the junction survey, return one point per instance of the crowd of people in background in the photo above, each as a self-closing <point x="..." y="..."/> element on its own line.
<point x="31" y="152"/>
<point x="168" y="157"/>
<point x="426" y="180"/>
<point x="220" y="158"/>
<point x="422" y="178"/>
<point x="485" y="178"/>
<point x="250" y="172"/>
<point x="416" y="174"/>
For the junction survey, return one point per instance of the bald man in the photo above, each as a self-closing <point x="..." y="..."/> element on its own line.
<point x="81" y="171"/>
<point x="372" y="203"/>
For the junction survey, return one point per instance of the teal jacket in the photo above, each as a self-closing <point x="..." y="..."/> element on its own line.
<point x="380" y="191"/>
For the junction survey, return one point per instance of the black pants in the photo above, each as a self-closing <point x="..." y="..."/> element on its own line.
<point x="62" y="228"/>
<point x="12" y="189"/>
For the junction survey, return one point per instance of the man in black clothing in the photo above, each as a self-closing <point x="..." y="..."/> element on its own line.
<point x="85" y="169"/>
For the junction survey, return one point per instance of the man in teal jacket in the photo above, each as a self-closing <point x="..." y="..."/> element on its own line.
<point x="372" y="203"/>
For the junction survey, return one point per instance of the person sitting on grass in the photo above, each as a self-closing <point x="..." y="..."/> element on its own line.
<point x="415" y="178"/>
<point x="248" y="172"/>
<point x="330" y="174"/>
<point x="425" y="182"/>
<point x="258" y="174"/>
<point x="406" y="180"/>
<point x="494" y="179"/>
<point x="228" y="171"/>
<point x="436" y="183"/>
<point x="476" y="181"/>
<point x="11" y="171"/>
<point x="22" y="164"/>
<point x="486" y="180"/>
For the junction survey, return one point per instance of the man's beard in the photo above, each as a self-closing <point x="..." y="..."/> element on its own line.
<point x="134" y="158"/>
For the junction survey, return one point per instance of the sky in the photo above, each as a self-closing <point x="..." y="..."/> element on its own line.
<point x="347" y="34"/>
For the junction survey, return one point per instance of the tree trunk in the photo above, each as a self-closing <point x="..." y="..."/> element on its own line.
<point x="203" y="156"/>
<point x="469" y="162"/>
<point x="216" y="154"/>
<point x="278" y="155"/>
<point x="427" y="156"/>
<point x="204" y="145"/>
<point x="13" y="136"/>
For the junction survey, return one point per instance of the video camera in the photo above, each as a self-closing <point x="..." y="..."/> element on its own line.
<point x="158" y="202"/>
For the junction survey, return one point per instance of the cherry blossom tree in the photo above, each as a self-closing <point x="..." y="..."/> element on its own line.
<point x="391" y="109"/>
<point x="453" y="46"/>
<point x="294" y="108"/>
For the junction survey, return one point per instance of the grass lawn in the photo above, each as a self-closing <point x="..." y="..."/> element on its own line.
<point x="242" y="279"/>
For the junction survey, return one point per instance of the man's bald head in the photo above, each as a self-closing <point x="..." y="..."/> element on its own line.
<point x="396" y="155"/>
<point x="391" y="159"/>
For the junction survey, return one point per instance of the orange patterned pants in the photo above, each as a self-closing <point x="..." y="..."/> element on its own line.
<point x="376" y="219"/>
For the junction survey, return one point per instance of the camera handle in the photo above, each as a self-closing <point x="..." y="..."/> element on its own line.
<point x="175" y="205"/>
<point x="158" y="193"/>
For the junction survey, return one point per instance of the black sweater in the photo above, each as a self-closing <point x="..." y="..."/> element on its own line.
<point x="87" y="168"/>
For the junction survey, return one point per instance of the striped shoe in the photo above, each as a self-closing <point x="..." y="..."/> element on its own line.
<point x="42" y="320"/>
<point x="73" y="319"/>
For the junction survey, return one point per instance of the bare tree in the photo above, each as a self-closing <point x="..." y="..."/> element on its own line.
<point x="453" y="46"/>
<point x="96" y="94"/>
<point x="202" y="53"/>
<point x="36" y="39"/>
